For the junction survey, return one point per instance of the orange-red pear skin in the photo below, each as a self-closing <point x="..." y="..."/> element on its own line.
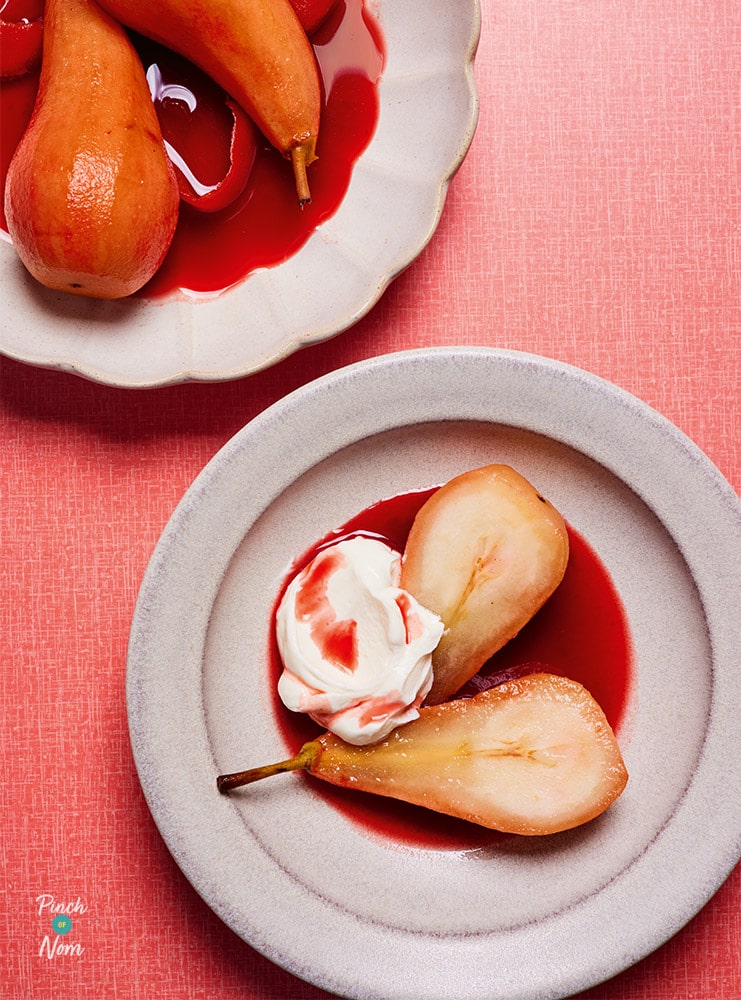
<point x="91" y="198"/>
<point x="255" y="49"/>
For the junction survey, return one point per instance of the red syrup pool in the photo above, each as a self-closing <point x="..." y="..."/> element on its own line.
<point x="580" y="633"/>
<point x="264" y="225"/>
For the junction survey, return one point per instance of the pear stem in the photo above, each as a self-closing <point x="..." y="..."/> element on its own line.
<point x="303" y="760"/>
<point x="298" y="159"/>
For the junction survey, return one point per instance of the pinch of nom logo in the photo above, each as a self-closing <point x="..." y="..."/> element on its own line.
<point x="56" y="942"/>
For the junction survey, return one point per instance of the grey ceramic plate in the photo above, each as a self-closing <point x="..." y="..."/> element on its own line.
<point x="428" y="108"/>
<point x="539" y="918"/>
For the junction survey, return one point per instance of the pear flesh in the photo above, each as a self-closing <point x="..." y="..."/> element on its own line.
<point x="532" y="756"/>
<point x="91" y="198"/>
<point x="484" y="553"/>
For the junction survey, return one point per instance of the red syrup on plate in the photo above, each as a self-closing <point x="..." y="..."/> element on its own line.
<point x="264" y="225"/>
<point x="581" y="633"/>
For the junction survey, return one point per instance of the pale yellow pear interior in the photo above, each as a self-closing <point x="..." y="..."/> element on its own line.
<point x="485" y="552"/>
<point x="531" y="756"/>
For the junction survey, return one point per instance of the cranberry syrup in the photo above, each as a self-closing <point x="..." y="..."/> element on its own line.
<point x="581" y="633"/>
<point x="264" y="224"/>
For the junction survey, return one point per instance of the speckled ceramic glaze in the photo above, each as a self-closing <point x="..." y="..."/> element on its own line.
<point x="531" y="919"/>
<point x="427" y="118"/>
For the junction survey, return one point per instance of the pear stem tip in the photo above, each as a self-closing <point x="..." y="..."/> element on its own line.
<point x="299" y="161"/>
<point x="303" y="760"/>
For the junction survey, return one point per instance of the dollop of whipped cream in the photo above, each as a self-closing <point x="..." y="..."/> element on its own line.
<point x="356" y="648"/>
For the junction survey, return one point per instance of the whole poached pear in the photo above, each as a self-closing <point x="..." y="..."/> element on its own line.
<point x="257" y="51"/>
<point x="91" y="198"/>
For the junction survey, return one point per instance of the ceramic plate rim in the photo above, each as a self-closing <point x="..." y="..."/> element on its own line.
<point x="618" y="422"/>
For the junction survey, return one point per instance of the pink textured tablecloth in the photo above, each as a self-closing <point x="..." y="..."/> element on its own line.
<point x="594" y="221"/>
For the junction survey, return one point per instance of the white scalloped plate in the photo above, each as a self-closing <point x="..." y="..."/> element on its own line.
<point x="427" y="118"/>
<point x="360" y="915"/>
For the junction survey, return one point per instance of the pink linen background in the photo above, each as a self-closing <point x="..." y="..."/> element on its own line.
<point x="594" y="221"/>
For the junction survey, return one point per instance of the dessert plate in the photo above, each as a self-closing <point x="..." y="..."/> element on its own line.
<point x="520" y="918"/>
<point x="427" y="117"/>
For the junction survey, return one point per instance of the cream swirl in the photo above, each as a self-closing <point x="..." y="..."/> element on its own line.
<point x="356" y="648"/>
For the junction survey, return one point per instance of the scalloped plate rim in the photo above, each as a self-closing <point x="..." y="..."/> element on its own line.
<point x="398" y="255"/>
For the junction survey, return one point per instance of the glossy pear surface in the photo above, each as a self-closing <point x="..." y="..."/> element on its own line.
<point x="484" y="552"/>
<point x="256" y="50"/>
<point x="91" y="199"/>
<point x="313" y="13"/>
<point x="533" y="756"/>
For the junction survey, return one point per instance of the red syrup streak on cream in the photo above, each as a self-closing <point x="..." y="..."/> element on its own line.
<point x="581" y="632"/>
<point x="413" y="627"/>
<point x="335" y="638"/>
<point x="264" y="225"/>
